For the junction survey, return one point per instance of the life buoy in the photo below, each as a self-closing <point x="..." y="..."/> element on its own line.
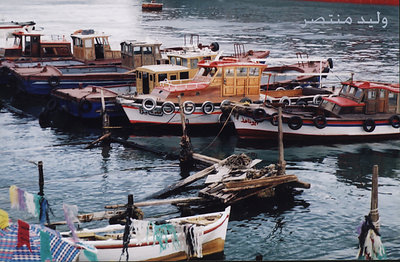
<point x="259" y="114"/>
<point x="394" y="120"/>
<point x="369" y="125"/>
<point x="285" y="100"/>
<point x="274" y="119"/>
<point x="189" y="107"/>
<point x="51" y="105"/>
<point x="53" y="81"/>
<point x="317" y="100"/>
<point x="295" y="122"/>
<point x="214" y="46"/>
<point x="149" y="104"/>
<point x="168" y="107"/>
<point x="301" y="102"/>
<point x="320" y="121"/>
<point x="207" y="107"/>
<point x="84" y="106"/>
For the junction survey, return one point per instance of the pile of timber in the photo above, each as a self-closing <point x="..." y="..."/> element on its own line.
<point x="237" y="179"/>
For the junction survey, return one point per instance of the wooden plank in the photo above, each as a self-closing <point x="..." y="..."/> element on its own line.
<point x="159" y="202"/>
<point x="254" y="183"/>
<point x="223" y="170"/>
<point x="205" y="159"/>
<point x="174" y="187"/>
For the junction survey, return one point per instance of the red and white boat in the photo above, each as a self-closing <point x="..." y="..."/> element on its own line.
<point x="361" y="111"/>
<point x="159" y="242"/>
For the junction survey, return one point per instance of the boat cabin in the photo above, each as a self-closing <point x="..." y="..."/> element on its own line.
<point x="364" y="97"/>
<point x="32" y="45"/>
<point x="217" y="79"/>
<point x="136" y="53"/>
<point x="89" y="45"/>
<point x="150" y="76"/>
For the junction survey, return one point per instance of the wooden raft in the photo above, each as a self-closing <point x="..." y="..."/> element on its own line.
<point x="234" y="183"/>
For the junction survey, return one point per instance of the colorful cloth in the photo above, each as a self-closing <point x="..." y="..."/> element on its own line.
<point x="23" y="235"/>
<point x="71" y="216"/>
<point x="4" y="219"/>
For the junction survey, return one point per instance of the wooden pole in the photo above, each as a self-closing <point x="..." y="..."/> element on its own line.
<point x="41" y="178"/>
<point x="186" y="153"/>
<point x="374" y="198"/>
<point x="281" y="161"/>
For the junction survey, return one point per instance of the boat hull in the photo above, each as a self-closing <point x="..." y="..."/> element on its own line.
<point x="213" y="241"/>
<point x="336" y="130"/>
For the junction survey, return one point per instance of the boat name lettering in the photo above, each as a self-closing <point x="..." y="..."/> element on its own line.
<point x="249" y="121"/>
<point x="155" y="112"/>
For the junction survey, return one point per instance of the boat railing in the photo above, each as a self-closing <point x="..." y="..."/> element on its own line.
<point x="182" y="85"/>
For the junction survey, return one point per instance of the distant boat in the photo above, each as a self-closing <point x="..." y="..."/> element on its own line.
<point x="152" y="6"/>
<point x="367" y="2"/>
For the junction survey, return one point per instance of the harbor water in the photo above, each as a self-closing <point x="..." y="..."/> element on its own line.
<point x="318" y="223"/>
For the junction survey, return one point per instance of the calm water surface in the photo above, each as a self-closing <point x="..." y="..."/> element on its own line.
<point x="318" y="223"/>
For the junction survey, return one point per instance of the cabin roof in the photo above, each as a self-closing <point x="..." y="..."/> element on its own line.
<point x="342" y="101"/>
<point x="229" y="63"/>
<point x="162" y="68"/>
<point x="374" y="85"/>
<point x="88" y="34"/>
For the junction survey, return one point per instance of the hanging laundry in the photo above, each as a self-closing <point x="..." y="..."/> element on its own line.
<point x="21" y="199"/>
<point x="71" y="216"/>
<point x="30" y="204"/>
<point x="4" y="219"/>
<point x="45" y="252"/>
<point x="14" y="196"/>
<point x="23" y="234"/>
<point x="370" y="244"/>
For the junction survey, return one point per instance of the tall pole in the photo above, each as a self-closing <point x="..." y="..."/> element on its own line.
<point x="374" y="198"/>
<point x="41" y="178"/>
<point x="281" y="161"/>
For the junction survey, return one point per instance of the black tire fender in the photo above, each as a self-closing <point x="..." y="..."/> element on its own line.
<point x="51" y="105"/>
<point x="207" y="107"/>
<point x="369" y="125"/>
<point x="295" y="122"/>
<point x="259" y="114"/>
<point x="53" y="81"/>
<point x="84" y="106"/>
<point x="319" y="121"/>
<point x="274" y="119"/>
<point x="394" y="120"/>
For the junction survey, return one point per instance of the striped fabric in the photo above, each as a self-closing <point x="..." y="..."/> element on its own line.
<point x="60" y="249"/>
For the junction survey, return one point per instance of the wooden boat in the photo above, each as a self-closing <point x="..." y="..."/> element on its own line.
<point x="362" y="111"/>
<point x="201" y="96"/>
<point x="164" y="241"/>
<point x="86" y="102"/>
<point x="152" y="6"/>
<point x="41" y="80"/>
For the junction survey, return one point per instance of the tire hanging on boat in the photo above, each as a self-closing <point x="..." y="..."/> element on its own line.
<point x="285" y="100"/>
<point x="274" y="119"/>
<point x="295" y="122"/>
<point x="53" y="81"/>
<point x="207" y="107"/>
<point x="168" y="108"/>
<point x="188" y="107"/>
<point x="317" y="100"/>
<point x="51" y="105"/>
<point x="259" y="115"/>
<point x="369" y="125"/>
<point x="319" y="121"/>
<point x="394" y="120"/>
<point x="149" y="104"/>
<point x="301" y="102"/>
<point x="245" y="100"/>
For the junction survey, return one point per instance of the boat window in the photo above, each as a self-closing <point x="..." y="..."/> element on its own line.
<point x="178" y="61"/>
<point x="359" y="93"/>
<point x="156" y="50"/>
<point x="351" y="91"/>
<point x="184" y="75"/>
<point x="206" y="71"/>
<point x="151" y="78"/>
<point x="382" y="93"/>
<point x="229" y="72"/>
<point x="193" y="63"/>
<point x="213" y="71"/>
<point x="336" y="109"/>
<point x="148" y="50"/>
<point x="162" y="77"/>
<point x="184" y="62"/>
<point x="241" y="71"/>
<point x="371" y="94"/>
<point x="173" y="77"/>
<point x="88" y="43"/>
<point x="130" y="49"/>
<point x="17" y="41"/>
<point x="137" y="50"/>
<point x="254" y="71"/>
<point x="105" y="41"/>
<point x="392" y="99"/>
<point x="140" y="75"/>
<point x="344" y="90"/>
<point x="173" y="61"/>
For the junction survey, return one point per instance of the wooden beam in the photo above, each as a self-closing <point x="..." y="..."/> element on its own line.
<point x="159" y="202"/>
<point x="261" y="182"/>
